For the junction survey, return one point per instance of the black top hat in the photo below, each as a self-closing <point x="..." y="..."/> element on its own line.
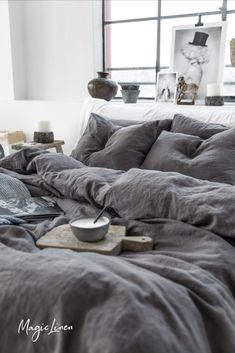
<point x="200" y="38"/>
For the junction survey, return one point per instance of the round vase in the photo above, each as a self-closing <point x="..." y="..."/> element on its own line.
<point x="102" y="87"/>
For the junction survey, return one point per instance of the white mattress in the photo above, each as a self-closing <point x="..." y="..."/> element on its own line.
<point x="150" y="111"/>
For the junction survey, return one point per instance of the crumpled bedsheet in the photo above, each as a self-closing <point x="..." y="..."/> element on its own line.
<point x="177" y="298"/>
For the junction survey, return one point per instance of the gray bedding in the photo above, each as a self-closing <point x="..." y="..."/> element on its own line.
<point x="178" y="298"/>
<point x="211" y="159"/>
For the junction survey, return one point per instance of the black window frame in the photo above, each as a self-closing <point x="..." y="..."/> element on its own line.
<point x="221" y="11"/>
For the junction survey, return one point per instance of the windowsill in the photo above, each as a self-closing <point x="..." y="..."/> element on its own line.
<point x="153" y="102"/>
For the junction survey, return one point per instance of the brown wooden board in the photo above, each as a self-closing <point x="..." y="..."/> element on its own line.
<point x="114" y="242"/>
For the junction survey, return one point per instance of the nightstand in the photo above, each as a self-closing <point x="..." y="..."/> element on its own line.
<point x="57" y="144"/>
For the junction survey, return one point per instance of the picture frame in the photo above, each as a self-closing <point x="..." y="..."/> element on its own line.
<point x="166" y="87"/>
<point x="198" y="53"/>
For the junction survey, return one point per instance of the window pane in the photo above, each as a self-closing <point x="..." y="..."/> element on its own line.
<point x="122" y="10"/>
<point x="136" y="76"/>
<point x="211" y="18"/>
<point x="229" y="81"/>
<point x="128" y="76"/>
<point x="166" y="33"/>
<point x="147" y="91"/>
<point x="131" y="44"/>
<point x="231" y="5"/>
<point x="173" y="7"/>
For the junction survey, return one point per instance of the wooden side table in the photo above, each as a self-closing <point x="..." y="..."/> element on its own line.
<point x="57" y="144"/>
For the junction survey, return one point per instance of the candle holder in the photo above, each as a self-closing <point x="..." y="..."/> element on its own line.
<point x="214" y="100"/>
<point x="43" y="137"/>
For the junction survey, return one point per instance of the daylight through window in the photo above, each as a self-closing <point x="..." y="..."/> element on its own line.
<point x="137" y="38"/>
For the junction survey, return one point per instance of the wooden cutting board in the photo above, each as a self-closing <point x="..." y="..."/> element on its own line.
<point x="113" y="244"/>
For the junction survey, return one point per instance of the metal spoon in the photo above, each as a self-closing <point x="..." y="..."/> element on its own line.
<point x="100" y="214"/>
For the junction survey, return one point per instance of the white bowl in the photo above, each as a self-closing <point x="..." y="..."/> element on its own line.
<point x="86" y="230"/>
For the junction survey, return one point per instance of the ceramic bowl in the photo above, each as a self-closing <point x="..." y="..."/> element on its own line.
<point x="85" y="230"/>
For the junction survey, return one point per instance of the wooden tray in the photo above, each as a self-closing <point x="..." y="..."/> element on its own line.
<point x="115" y="241"/>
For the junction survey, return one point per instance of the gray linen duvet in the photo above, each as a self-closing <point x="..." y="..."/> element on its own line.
<point x="178" y="298"/>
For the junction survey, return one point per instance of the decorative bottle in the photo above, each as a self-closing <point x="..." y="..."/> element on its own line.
<point x="102" y="87"/>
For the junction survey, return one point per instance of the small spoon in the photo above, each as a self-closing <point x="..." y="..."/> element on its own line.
<point x="100" y="214"/>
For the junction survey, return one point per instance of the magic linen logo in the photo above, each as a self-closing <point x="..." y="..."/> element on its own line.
<point x="35" y="330"/>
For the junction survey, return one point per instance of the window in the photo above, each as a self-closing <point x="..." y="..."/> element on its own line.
<point x="137" y="37"/>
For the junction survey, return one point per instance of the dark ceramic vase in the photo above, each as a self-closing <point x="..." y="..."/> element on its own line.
<point x="102" y="87"/>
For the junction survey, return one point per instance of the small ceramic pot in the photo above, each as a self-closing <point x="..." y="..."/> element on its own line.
<point x="43" y="137"/>
<point x="130" y="87"/>
<point x="130" y="96"/>
<point x="214" y="101"/>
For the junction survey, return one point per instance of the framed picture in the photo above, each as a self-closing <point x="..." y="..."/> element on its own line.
<point x="166" y="86"/>
<point x="197" y="54"/>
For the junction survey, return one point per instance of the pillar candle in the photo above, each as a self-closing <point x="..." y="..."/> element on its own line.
<point x="213" y="90"/>
<point x="43" y="126"/>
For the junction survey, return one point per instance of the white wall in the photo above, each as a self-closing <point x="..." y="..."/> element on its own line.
<point x="6" y="78"/>
<point x="54" y="47"/>
<point x="65" y="119"/>
<point x="56" y="50"/>
<point x="18" y="48"/>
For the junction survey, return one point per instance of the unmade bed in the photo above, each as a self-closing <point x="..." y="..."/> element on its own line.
<point x="170" y="180"/>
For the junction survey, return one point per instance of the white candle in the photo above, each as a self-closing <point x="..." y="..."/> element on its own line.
<point x="43" y="126"/>
<point x="213" y="90"/>
<point x="89" y="222"/>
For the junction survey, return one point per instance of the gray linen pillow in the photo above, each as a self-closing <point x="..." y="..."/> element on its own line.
<point x="97" y="133"/>
<point x="123" y="122"/>
<point x="195" y="127"/>
<point x="107" y="145"/>
<point x="171" y="151"/>
<point x="52" y="162"/>
<point x="128" y="146"/>
<point x="212" y="159"/>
